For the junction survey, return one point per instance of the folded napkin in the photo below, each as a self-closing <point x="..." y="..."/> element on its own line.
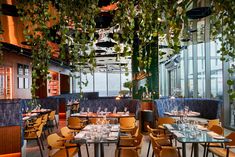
<point x="168" y="113"/>
<point x="215" y="135"/>
<point x="75" y="114"/>
<point x="168" y="126"/>
<point x="178" y="134"/>
<point x="113" y="134"/>
<point x="80" y="134"/>
<point x="25" y="118"/>
<point x="33" y="114"/>
<point x="201" y="127"/>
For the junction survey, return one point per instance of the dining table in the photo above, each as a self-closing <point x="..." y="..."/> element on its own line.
<point x="108" y="115"/>
<point x="195" y="134"/>
<point x="98" y="135"/>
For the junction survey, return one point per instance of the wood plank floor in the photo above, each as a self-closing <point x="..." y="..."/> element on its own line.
<point x="32" y="150"/>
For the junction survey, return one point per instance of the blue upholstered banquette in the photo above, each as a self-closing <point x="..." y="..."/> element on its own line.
<point x="208" y="108"/>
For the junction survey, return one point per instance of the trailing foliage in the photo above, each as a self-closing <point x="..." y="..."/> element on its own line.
<point x="142" y="24"/>
<point x="223" y="28"/>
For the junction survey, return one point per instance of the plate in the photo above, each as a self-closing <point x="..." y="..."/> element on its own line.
<point x="111" y="138"/>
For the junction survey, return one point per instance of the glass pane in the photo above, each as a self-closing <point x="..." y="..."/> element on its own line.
<point x="113" y="84"/>
<point x="100" y="83"/>
<point x="20" y="69"/>
<point x="216" y="71"/>
<point x="201" y="69"/>
<point x="26" y="83"/>
<point x="20" y="81"/>
<point x="88" y="80"/>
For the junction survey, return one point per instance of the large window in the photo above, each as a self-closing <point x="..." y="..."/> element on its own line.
<point x="22" y="76"/>
<point x="216" y="71"/>
<point x="106" y="83"/>
<point x="201" y="69"/>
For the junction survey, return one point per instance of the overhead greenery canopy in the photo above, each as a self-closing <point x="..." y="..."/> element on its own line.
<point x="142" y="24"/>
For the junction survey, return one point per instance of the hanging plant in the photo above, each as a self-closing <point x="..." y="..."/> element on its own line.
<point x="36" y="19"/>
<point x="142" y="25"/>
<point x="223" y="28"/>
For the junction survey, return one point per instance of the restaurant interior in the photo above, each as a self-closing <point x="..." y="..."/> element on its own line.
<point x="117" y="78"/>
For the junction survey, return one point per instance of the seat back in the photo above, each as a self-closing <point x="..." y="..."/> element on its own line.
<point x="212" y="122"/>
<point x="127" y="122"/>
<point x="74" y="121"/>
<point x="54" y="141"/>
<point x="217" y="129"/>
<point x="51" y="115"/>
<point x="37" y="122"/>
<point x="40" y="128"/>
<point x="165" y="120"/>
<point x="231" y="136"/>
<point x="156" y="147"/>
<point x="169" y="152"/>
<point x="66" y="132"/>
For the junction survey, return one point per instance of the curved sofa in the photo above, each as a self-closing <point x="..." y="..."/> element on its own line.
<point x="208" y="108"/>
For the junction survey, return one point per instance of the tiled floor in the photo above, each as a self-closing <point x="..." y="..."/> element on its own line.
<point x="32" y="150"/>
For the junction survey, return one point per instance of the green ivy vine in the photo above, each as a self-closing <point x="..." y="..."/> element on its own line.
<point x="223" y="28"/>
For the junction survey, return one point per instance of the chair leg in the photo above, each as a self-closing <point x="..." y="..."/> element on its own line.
<point x="205" y="148"/>
<point x="207" y="152"/>
<point x="38" y="141"/>
<point x="148" y="148"/>
<point x="87" y="151"/>
<point x="56" y="123"/>
<point x="192" y="150"/>
<point x="42" y="143"/>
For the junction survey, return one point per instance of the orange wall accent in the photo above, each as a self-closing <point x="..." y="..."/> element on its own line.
<point x="10" y="139"/>
<point x="11" y="155"/>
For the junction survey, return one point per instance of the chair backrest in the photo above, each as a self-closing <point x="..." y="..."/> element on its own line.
<point x="44" y="118"/>
<point x="138" y="137"/>
<point x="73" y="121"/>
<point x="212" y="122"/>
<point x="217" y="129"/>
<point x="40" y="128"/>
<point x="54" y="141"/>
<point x="66" y="132"/>
<point x="165" y="120"/>
<point x="52" y="115"/>
<point x="127" y="153"/>
<point x="38" y="122"/>
<point x="169" y="152"/>
<point x="231" y="136"/>
<point x="127" y="122"/>
<point x="156" y="147"/>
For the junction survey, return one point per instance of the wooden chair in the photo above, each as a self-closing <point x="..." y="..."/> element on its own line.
<point x="58" y="148"/>
<point x="163" y="151"/>
<point x="35" y="123"/>
<point x="75" y="123"/>
<point x="163" y="140"/>
<point x="224" y="152"/>
<point x="129" y="144"/>
<point x="52" y="118"/>
<point x="218" y="130"/>
<point x="35" y="134"/>
<point x="212" y="122"/>
<point x="68" y="134"/>
<point x="127" y="124"/>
